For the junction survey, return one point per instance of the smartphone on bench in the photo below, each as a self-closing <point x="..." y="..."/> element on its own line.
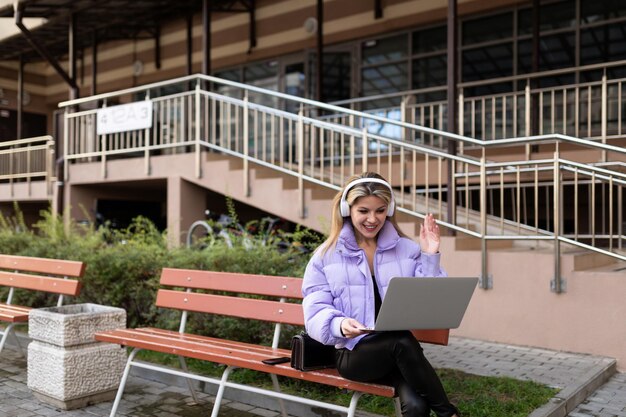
<point x="276" y="361"/>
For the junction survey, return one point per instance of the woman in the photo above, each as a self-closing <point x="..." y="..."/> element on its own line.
<point x="347" y="278"/>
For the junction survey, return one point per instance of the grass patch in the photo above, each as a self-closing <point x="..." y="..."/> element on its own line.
<point x="476" y="396"/>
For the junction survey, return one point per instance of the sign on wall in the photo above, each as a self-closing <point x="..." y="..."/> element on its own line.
<point x="125" y="117"/>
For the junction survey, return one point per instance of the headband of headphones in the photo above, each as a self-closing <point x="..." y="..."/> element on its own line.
<point x="344" y="207"/>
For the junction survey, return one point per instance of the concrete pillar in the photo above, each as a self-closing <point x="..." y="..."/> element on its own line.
<point x="186" y="203"/>
<point x="79" y="203"/>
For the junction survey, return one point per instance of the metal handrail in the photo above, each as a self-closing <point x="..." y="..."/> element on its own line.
<point x="239" y="129"/>
<point x="18" y="142"/>
<point x="27" y="159"/>
<point x="315" y="104"/>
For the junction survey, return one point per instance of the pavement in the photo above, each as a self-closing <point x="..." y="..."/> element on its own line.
<point x="589" y="385"/>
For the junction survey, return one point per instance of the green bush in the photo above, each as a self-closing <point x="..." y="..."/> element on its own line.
<point x="123" y="268"/>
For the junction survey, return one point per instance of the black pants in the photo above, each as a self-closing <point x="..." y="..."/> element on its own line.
<point x="397" y="359"/>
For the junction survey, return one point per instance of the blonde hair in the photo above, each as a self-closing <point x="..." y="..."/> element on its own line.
<point x="359" y="190"/>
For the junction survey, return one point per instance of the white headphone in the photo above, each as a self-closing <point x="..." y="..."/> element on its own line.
<point x="344" y="207"/>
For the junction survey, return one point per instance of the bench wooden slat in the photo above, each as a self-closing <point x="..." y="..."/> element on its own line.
<point x="11" y="313"/>
<point x="42" y="265"/>
<point x="40" y="283"/>
<point x="230" y="353"/>
<point x="434" y="336"/>
<point x="233" y="282"/>
<point x="249" y="308"/>
<point x="169" y="334"/>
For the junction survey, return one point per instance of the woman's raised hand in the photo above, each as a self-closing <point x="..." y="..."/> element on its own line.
<point x="430" y="236"/>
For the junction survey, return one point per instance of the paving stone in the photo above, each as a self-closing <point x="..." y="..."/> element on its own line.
<point x="154" y="399"/>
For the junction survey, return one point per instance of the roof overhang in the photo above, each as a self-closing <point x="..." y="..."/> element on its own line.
<point x="104" y="20"/>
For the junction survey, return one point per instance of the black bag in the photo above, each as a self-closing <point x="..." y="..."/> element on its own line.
<point x="308" y="354"/>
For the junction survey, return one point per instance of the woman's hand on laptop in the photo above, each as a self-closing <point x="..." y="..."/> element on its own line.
<point x="352" y="328"/>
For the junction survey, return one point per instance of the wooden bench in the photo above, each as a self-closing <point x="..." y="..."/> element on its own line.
<point x="234" y="354"/>
<point x="37" y="274"/>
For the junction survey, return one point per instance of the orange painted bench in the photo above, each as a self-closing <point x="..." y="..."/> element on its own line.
<point x="36" y="274"/>
<point x="280" y="305"/>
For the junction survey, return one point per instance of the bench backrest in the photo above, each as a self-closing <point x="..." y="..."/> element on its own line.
<point x="236" y="305"/>
<point x="233" y="305"/>
<point x="50" y="275"/>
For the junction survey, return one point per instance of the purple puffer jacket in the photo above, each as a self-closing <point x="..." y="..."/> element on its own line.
<point x="339" y="284"/>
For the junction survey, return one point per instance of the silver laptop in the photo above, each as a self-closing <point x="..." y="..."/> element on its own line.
<point x="424" y="303"/>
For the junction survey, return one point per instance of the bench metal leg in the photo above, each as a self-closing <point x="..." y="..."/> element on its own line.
<point x="183" y="365"/>
<point x="220" y="391"/>
<point x="283" y="409"/>
<point x="5" y="335"/>
<point x="120" y="390"/>
<point x="8" y="331"/>
<point x="353" y="403"/>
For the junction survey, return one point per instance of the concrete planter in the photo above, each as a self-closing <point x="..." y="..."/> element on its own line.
<point x="66" y="366"/>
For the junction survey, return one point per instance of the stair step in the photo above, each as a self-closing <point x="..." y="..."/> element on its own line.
<point x="590" y="260"/>
<point x="235" y="164"/>
<point x="471" y="243"/>
<point x="290" y="182"/>
<point x="264" y="172"/>
<point x="322" y="193"/>
<point x="216" y="156"/>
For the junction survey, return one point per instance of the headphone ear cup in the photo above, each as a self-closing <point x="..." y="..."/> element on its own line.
<point x="344" y="208"/>
<point x="391" y="208"/>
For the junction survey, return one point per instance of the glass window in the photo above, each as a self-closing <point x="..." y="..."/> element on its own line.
<point x="231" y="74"/>
<point x="260" y="73"/>
<point x="294" y="79"/>
<point x="488" y="28"/>
<point x="557" y="51"/>
<point x="336" y="76"/>
<point x="430" y="71"/>
<point x="430" y="40"/>
<point x="551" y="16"/>
<point x="385" y="50"/>
<point x="598" y="10"/>
<point x="488" y="62"/>
<point x="294" y="85"/>
<point x="524" y="56"/>
<point x="603" y="43"/>
<point x="485" y="90"/>
<point x="264" y="75"/>
<point x="384" y="79"/>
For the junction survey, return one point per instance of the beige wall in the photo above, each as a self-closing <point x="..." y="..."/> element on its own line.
<point x="520" y="308"/>
<point x="280" y="31"/>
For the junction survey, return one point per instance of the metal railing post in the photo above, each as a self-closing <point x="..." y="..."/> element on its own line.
<point x="28" y="168"/>
<point x="66" y="150"/>
<point x="604" y="114"/>
<point x="146" y="143"/>
<point x="527" y="116"/>
<point x="246" y="172"/>
<point x="557" y="283"/>
<point x="620" y="219"/>
<point x="49" y="166"/>
<point x="403" y="134"/>
<point x="365" y="149"/>
<point x="461" y="121"/>
<point x="197" y="130"/>
<point x="486" y="281"/>
<point x="300" y="144"/>
<point x="103" y="160"/>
